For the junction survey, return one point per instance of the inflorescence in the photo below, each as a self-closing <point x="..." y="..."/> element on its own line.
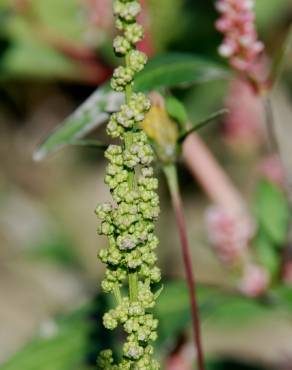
<point x="129" y="224"/>
<point x="240" y="45"/>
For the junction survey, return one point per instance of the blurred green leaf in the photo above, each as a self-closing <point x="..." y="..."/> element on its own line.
<point x="283" y="296"/>
<point x="87" y="117"/>
<point x="280" y="58"/>
<point x="176" y="110"/>
<point x="62" y="348"/>
<point x="30" y="53"/>
<point x="61" y="16"/>
<point x="236" y="310"/>
<point x="56" y="249"/>
<point x="272" y="211"/>
<point x="22" y="60"/>
<point x="270" y="12"/>
<point x="164" y="15"/>
<point x="266" y="253"/>
<point x="176" y="69"/>
<point x="172" y="310"/>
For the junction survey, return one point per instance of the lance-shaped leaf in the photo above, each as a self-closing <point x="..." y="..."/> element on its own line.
<point x="280" y="58"/>
<point x="89" y="116"/>
<point x="176" y="110"/>
<point x="203" y="123"/>
<point x="62" y="347"/>
<point x="171" y="70"/>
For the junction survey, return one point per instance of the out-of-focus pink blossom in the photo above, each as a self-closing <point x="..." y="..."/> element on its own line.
<point x="146" y="45"/>
<point x="272" y="169"/>
<point x="182" y="359"/>
<point x="255" y="281"/>
<point x="177" y="362"/>
<point x="100" y="13"/>
<point x="228" y="233"/>
<point x="240" y="45"/>
<point x="244" y="126"/>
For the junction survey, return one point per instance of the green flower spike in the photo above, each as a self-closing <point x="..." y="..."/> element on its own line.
<point x="129" y="224"/>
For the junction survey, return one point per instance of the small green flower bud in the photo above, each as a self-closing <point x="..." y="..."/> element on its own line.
<point x="121" y="45"/>
<point x="136" y="309"/>
<point x="132" y="350"/>
<point x="137" y="60"/>
<point x="127" y="11"/>
<point x="106" y="228"/>
<point x="122" y="77"/>
<point x="133" y="32"/>
<point x="109" y="320"/>
<point x="132" y="325"/>
<point x="107" y="286"/>
<point x="105" y="359"/>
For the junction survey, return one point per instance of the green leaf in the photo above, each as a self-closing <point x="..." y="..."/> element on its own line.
<point x="280" y="58"/>
<point x="283" y="296"/>
<point x="272" y="211"/>
<point x="62" y="348"/>
<point x="21" y="59"/>
<point x="176" y="110"/>
<point x="172" y="70"/>
<point x="172" y="309"/>
<point x="87" y="117"/>
<point x="266" y="253"/>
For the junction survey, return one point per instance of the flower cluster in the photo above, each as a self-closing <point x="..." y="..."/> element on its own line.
<point x="129" y="223"/>
<point x="240" y="45"/>
<point x="229" y="234"/>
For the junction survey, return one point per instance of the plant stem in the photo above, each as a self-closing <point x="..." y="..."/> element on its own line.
<point x="133" y="286"/>
<point x="117" y="293"/>
<point x="270" y="124"/>
<point x="172" y="180"/>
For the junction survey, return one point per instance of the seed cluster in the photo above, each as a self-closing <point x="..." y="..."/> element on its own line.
<point x="129" y="223"/>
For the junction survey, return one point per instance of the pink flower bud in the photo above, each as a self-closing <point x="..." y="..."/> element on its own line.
<point x="244" y="127"/>
<point x="255" y="281"/>
<point x="229" y="234"/>
<point x="272" y="168"/>
<point x="177" y="362"/>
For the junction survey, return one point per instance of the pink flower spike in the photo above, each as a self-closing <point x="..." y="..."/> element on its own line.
<point x="229" y="234"/>
<point x="237" y="23"/>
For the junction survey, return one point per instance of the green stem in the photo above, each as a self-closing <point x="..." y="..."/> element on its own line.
<point x="172" y="180"/>
<point x="133" y="276"/>
<point x="129" y="89"/>
<point x="133" y="286"/>
<point x="117" y="293"/>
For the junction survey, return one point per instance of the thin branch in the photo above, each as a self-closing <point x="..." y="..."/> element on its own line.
<point x="172" y="180"/>
<point x="203" y="123"/>
<point x="280" y="59"/>
<point x="270" y="123"/>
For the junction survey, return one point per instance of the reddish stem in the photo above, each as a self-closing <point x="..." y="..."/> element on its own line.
<point x="171" y="175"/>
